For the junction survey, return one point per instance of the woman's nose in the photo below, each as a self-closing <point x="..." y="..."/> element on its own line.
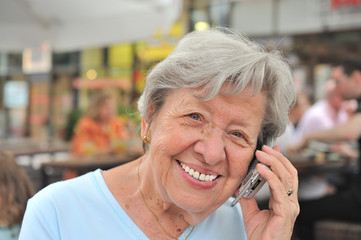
<point x="212" y="146"/>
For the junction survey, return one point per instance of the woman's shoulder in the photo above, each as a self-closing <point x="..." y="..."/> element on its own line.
<point x="72" y="209"/>
<point x="68" y="190"/>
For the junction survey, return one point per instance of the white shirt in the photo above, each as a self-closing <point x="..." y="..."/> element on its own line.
<point x="84" y="208"/>
<point x="320" y="116"/>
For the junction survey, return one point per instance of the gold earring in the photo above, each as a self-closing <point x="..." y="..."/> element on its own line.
<point x="146" y="139"/>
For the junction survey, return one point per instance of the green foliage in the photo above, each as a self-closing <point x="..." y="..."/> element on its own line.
<point x="71" y="122"/>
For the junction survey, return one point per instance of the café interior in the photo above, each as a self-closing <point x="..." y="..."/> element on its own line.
<point x="53" y="64"/>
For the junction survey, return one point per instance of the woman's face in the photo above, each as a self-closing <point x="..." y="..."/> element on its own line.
<point x="345" y="84"/>
<point x="107" y="110"/>
<point x="200" y="150"/>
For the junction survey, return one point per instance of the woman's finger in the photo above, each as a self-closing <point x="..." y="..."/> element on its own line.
<point x="283" y="179"/>
<point x="280" y="166"/>
<point x="277" y="154"/>
<point x="280" y="202"/>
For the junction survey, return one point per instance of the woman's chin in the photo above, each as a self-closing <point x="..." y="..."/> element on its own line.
<point x="200" y="206"/>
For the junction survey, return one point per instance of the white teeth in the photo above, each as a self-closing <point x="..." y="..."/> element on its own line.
<point x="202" y="177"/>
<point x="207" y="178"/>
<point x="197" y="175"/>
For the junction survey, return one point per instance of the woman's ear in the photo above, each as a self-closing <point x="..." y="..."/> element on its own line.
<point x="147" y="119"/>
<point x="145" y="126"/>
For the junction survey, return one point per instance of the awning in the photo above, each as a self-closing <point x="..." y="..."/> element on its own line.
<point x="71" y="25"/>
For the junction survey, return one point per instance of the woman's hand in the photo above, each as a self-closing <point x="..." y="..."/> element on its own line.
<point x="278" y="221"/>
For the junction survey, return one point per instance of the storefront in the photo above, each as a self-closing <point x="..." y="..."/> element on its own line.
<point x="39" y="91"/>
<point x="311" y="33"/>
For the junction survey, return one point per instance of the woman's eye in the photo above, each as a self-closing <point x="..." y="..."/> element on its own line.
<point x="237" y="134"/>
<point x="195" y="116"/>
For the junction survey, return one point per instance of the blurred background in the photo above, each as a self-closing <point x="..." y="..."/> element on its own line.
<point x="56" y="55"/>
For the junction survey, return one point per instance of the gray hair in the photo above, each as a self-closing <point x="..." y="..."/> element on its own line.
<point x="214" y="57"/>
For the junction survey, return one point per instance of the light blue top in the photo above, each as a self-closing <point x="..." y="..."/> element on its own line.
<point x="84" y="208"/>
<point x="9" y="233"/>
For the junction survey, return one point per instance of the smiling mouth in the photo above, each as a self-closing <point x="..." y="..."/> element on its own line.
<point x="197" y="175"/>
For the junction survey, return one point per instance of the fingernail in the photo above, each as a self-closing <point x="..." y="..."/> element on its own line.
<point x="267" y="147"/>
<point x="261" y="152"/>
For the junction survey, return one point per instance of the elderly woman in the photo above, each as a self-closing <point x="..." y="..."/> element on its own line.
<point x="204" y="110"/>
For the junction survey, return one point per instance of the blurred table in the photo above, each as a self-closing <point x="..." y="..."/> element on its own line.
<point x="85" y="164"/>
<point x="33" y="148"/>
<point x="312" y="165"/>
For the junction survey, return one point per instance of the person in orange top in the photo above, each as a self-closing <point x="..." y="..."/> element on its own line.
<point x="100" y="130"/>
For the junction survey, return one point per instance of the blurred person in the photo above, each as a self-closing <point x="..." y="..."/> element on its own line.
<point x="15" y="190"/>
<point x="350" y="106"/>
<point x="346" y="203"/>
<point x="324" y="114"/>
<point x="204" y="109"/>
<point x="100" y="131"/>
<point x="296" y="113"/>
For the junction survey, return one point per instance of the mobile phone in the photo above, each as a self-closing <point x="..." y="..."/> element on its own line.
<point x="253" y="181"/>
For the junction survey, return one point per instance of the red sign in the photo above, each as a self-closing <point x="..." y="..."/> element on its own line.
<point x="336" y="4"/>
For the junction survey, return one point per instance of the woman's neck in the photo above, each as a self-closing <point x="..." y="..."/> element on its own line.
<point x="169" y="218"/>
<point x="144" y="211"/>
